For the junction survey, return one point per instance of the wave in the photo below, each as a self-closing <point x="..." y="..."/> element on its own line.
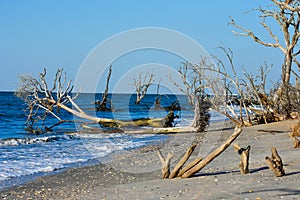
<point x="26" y="141"/>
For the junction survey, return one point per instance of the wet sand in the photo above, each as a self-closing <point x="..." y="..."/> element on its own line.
<point x="136" y="174"/>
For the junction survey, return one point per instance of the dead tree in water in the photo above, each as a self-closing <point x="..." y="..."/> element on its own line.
<point x="43" y="101"/>
<point x="103" y="105"/>
<point x="141" y="85"/>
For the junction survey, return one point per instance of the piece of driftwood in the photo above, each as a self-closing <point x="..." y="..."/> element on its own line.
<point x="177" y="169"/>
<point x="165" y="161"/>
<point x="275" y="163"/>
<point x="244" y="162"/>
<point x="189" y="166"/>
<point x="296" y="142"/>
<point x="295" y="130"/>
<point x="213" y="155"/>
<point x="182" y="161"/>
<point x="196" y="165"/>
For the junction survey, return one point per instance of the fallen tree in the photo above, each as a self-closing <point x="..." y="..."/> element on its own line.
<point x="44" y="102"/>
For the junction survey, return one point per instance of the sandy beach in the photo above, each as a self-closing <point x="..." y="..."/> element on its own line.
<point x="136" y="174"/>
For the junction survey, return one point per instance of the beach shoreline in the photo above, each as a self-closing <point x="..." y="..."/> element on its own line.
<point x="136" y="174"/>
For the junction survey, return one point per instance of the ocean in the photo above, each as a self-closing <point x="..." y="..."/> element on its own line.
<point x="24" y="155"/>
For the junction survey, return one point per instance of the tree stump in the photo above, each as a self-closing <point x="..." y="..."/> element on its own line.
<point x="275" y="163"/>
<point x="296" y="142"/>
<point x="165" y="169"/>
<point x="245" y="153"/>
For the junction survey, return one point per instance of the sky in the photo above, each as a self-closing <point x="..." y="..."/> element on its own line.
<point x="37" y="34"/>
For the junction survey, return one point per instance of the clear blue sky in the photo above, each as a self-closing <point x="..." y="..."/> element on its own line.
<point x="61" y="33"/>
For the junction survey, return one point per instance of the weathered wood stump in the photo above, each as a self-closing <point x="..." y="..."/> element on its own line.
<point x="275" y="163"/>
<point x="295" y="132"/>
<point x="245" y="153"/>
<point x="296" y="142"/>
<point x="165" y="168"/>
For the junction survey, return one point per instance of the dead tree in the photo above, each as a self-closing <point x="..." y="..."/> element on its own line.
<point x="222" y="83"/>
<point x="244" y="153"/>
<point x="105" y="104"/>
<point x="157" y="103"/>
<point x="142" y="84"/>
<point x="275" y="163"/>
<point x="43" y="102"/>
<point x="194" y="89"/>
<point x="256" y="93"/>
<point x="287" y="15"/>
<point x="195" y="166"/>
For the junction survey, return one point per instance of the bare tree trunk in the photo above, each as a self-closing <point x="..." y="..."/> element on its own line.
<point x="286" y="70"/>
<point x="102" y="106"/>
<point x="201" y="115"/>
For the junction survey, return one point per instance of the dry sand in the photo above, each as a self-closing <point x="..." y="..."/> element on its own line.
<point x="136" y="174"/>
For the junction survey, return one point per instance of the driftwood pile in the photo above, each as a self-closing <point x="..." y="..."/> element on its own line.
<point x="195" y="166"/>
<point x="184" y="170"/>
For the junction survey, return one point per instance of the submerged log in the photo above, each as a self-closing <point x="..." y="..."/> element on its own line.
<point x="275" y="163"/>
<point x="244" y="162"/>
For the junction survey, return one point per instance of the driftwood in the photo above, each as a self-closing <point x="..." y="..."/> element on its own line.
<point x="213" y="155"/>
<point x="275" y="163"/>
<point x="165" y="169"/>
<point x="244" y="163"/>
<point x="296" y="142"/>
<point x="199" y="163"/>
<point x="295" y="132"/>
<point x="178" y="170"/>
<point x="182" y="161"/>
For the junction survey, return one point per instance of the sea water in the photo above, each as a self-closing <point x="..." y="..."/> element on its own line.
<point x="23" y="154"/>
